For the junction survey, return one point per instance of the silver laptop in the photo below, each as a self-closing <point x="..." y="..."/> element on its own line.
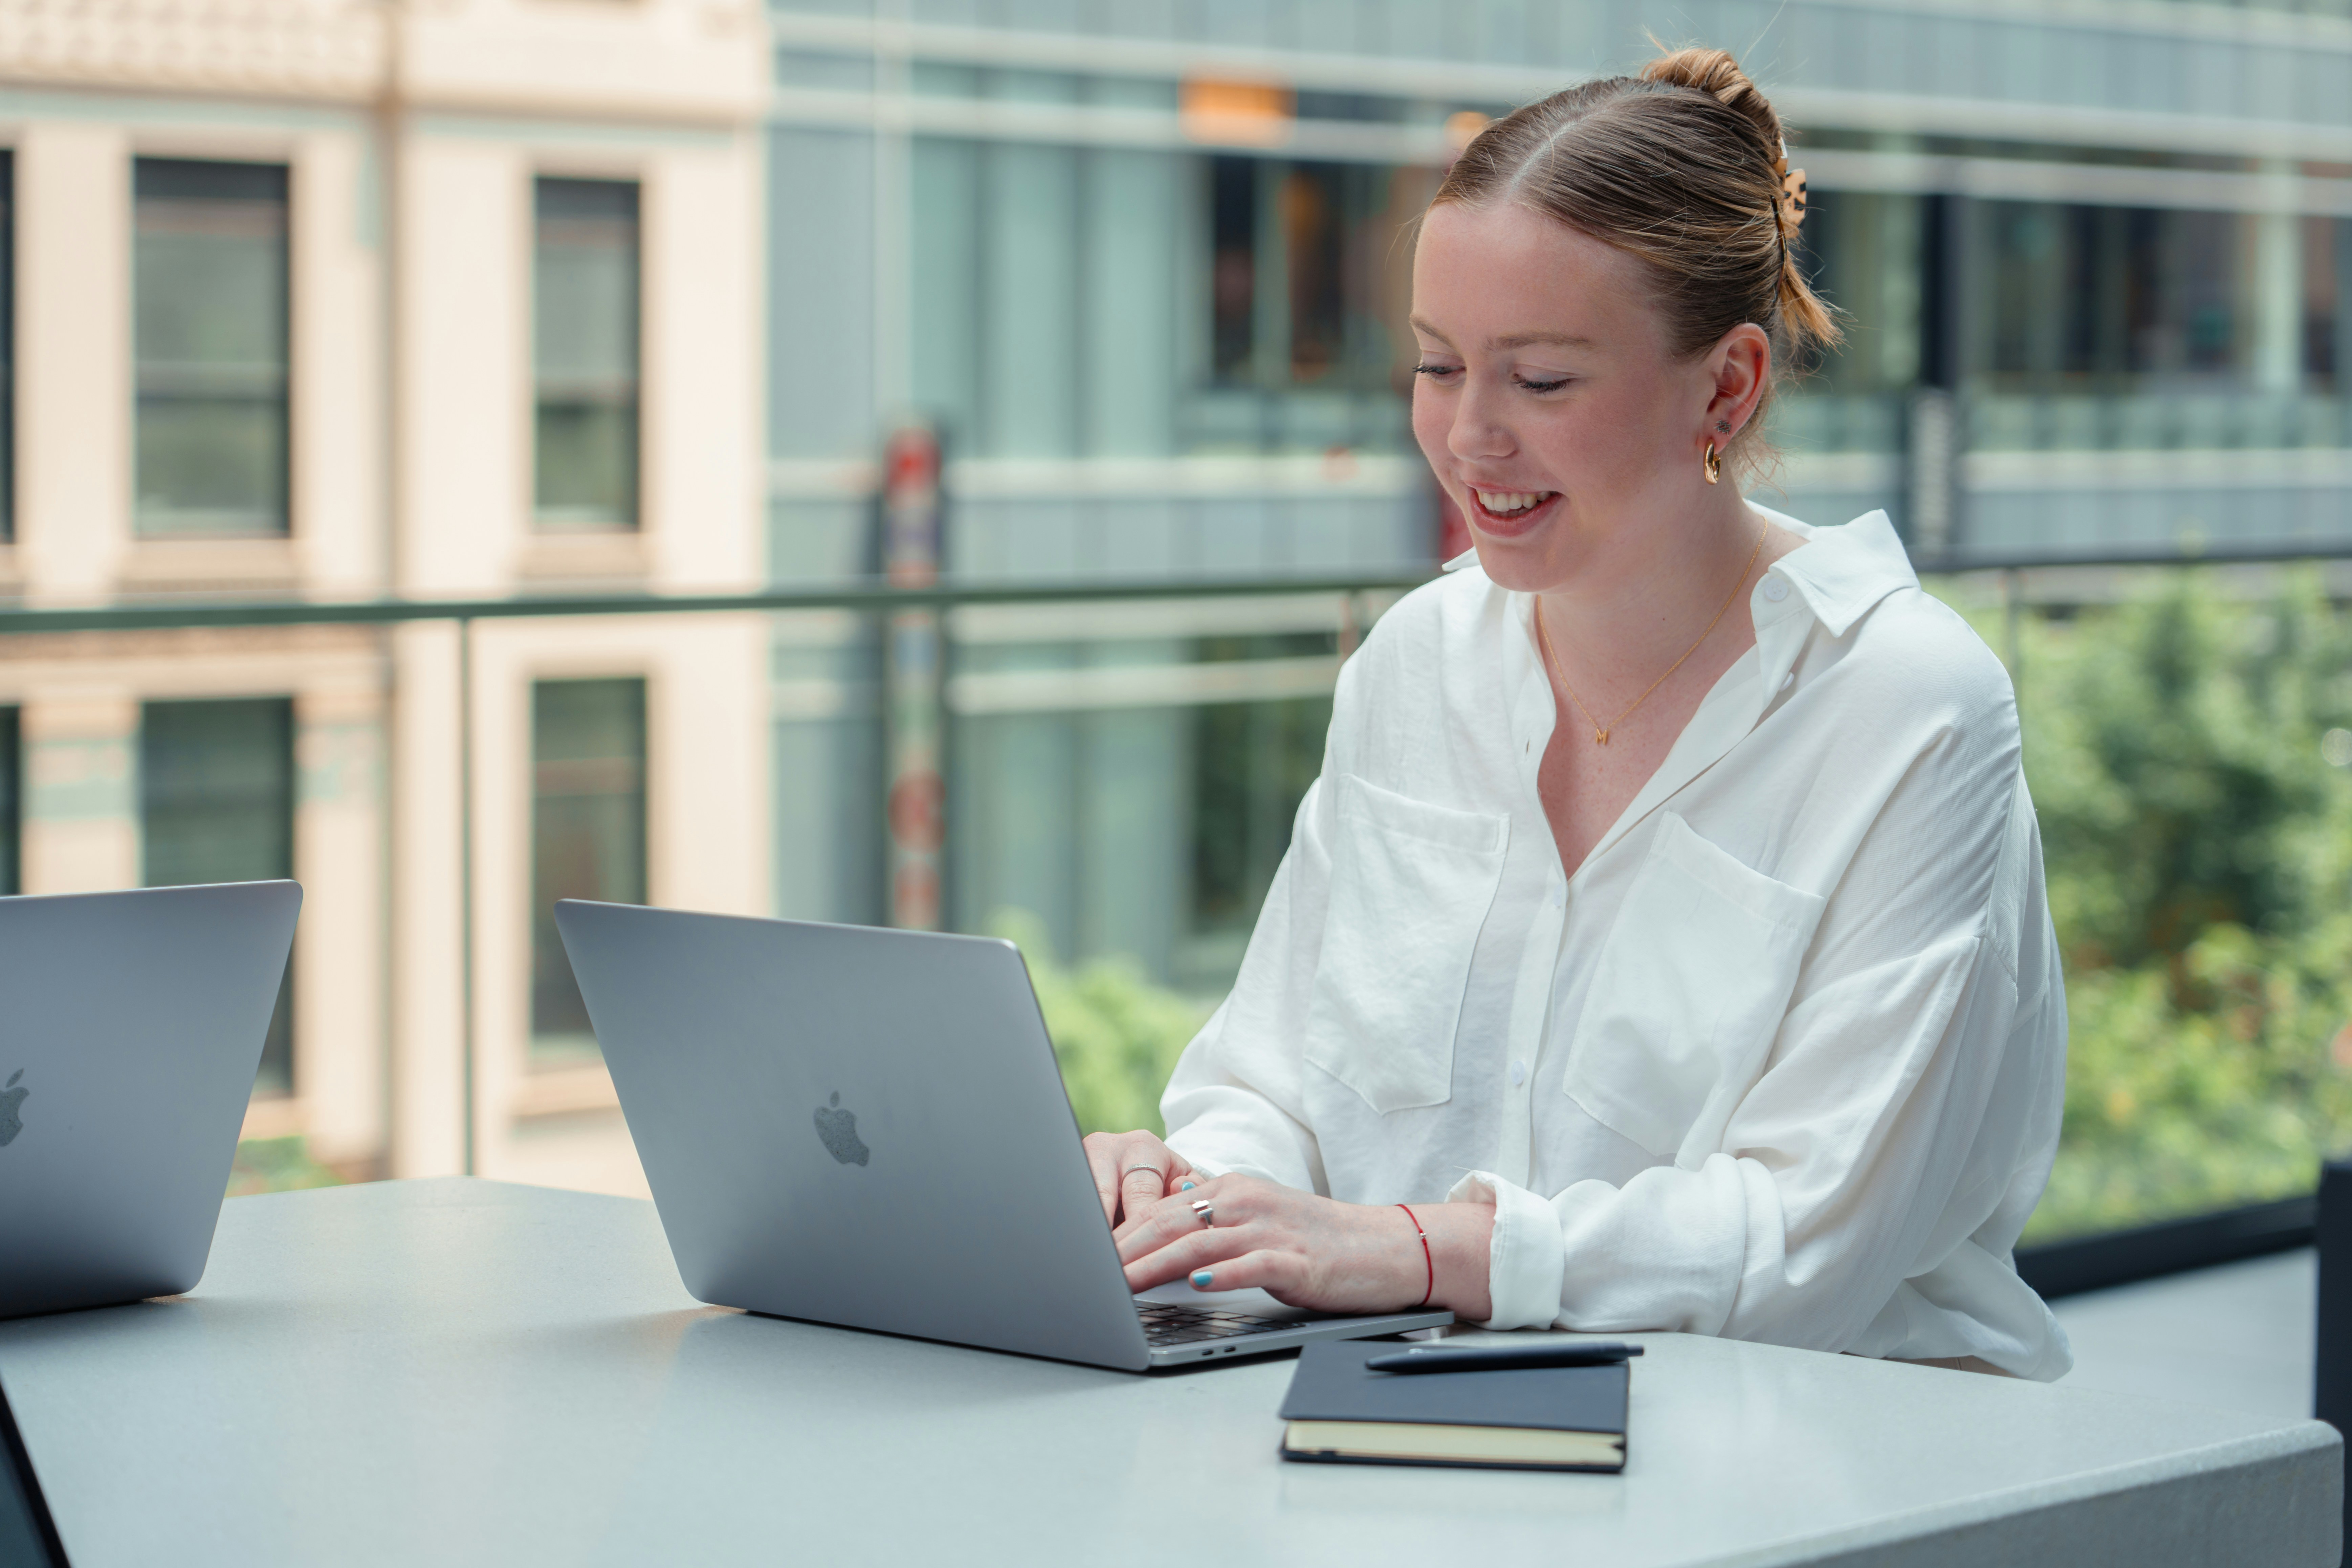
<point x="131" y="1027"/>
<point x="866" y="1127"/>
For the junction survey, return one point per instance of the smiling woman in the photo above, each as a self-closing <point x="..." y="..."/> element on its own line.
<point x="1671" y="871"/>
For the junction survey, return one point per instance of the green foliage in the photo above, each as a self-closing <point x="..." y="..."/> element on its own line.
<point x="2198" y="848"/>
<point x="277" y="1165"/>
<point x="1116" y="1035"/>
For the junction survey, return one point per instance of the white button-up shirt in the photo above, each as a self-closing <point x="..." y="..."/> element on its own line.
<point x="1784" y="1060"/>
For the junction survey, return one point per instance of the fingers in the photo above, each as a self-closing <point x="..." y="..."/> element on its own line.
<point x="1280" y="1274"/>
<point x="1211" y="1249"/>
<point x="1139" y="1187"/>
<point x="1102" y="1162"/>
<point x="1133" y="1172"/>
<point x="1175" y="1220"/>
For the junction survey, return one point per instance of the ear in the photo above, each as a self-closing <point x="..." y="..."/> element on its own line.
<point x="1740" y="367"/>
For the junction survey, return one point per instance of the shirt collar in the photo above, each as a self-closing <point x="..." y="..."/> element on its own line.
<point x="1841" y="573"/>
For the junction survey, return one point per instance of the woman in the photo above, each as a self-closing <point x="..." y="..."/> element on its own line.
<point x="1664" y="944"/>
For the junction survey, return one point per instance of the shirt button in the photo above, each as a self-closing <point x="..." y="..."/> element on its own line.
<point x="1518" y="1074"/>
<point x="1775" y="589"/>
<point x="1559" y="895"/>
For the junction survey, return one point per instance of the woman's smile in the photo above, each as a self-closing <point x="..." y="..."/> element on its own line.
<point x="1510" y="513"/>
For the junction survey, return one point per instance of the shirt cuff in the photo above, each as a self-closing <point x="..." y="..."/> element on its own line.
<point x="1527" y="1259"/>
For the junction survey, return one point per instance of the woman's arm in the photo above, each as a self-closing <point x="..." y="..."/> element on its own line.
<point x="1313" y="1251"/>
<point x="1908" y="1098"/>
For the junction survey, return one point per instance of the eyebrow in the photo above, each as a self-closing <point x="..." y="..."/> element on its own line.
<point x="1509" y="341"/>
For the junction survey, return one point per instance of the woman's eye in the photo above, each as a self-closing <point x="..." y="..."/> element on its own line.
<point x="1543" y="386"/>
<point x="1435" y="370"/>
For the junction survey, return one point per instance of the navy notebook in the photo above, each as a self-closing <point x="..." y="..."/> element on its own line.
<point x="1542" y="1418"/>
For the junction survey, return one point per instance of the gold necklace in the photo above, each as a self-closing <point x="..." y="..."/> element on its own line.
<point x="1599" y="731"/>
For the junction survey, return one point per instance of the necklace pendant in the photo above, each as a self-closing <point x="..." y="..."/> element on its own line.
<point x="1600" y="737"/>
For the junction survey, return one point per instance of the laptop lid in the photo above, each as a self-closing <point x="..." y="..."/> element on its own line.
<point x="855" y="1126"/>
<point x="130" y="1026"/>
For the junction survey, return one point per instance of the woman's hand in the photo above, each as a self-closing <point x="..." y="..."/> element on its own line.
<point x="1311" y="1251"/>
<point x="1133" y="1173"/>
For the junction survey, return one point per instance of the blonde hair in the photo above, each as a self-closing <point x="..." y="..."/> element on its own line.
<point x="1681" y="169"/>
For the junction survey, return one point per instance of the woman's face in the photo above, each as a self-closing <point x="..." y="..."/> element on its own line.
<point x="1547" y="400"/>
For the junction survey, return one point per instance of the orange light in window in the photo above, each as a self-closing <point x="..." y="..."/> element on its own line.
<point x="1238" y="113"/>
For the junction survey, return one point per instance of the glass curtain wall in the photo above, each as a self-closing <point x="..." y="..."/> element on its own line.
<point x="1133" y="829"/>
<point x="1252" y="764"/>
<point x="216" y="805"/>
<point x="2139" y="329"/>
<point x="1862" y="252"/>
<point x="588" y="837"/>
<point x="12" y="829"/>
<point x="1307" y="280"/>
<point x="1044" y="319"/>
<point x="209" y="333"/>
<point x="584" y="354"/>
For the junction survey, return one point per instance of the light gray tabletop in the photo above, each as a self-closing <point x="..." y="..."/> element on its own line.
<point x="460" y="1372"/>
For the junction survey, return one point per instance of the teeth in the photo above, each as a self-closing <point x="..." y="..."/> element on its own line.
<point x="1510" y="500"/>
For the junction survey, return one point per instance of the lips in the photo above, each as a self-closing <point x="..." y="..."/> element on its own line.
<point x="1511" y="512"/>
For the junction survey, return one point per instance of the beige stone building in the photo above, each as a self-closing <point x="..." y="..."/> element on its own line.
<point x="338" y="300"/>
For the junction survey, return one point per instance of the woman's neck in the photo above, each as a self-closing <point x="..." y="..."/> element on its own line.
<point x="1646" y="594"/>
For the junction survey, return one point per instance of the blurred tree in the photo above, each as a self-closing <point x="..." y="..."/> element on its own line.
<point x="1116" y="1035"/>
<point x="277" y="1165"/>
<point x="2198" y="849"/>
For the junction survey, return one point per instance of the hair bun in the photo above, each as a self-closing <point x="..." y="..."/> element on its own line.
<point x="1717" y="74"/>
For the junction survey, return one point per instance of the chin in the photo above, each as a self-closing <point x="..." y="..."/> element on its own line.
<point x="1523" y="563"/>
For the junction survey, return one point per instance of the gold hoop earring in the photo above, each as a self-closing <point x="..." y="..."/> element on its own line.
<point x="1713" y="464"/>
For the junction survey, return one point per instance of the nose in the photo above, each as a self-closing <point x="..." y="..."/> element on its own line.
<point x="1478" y="432"/>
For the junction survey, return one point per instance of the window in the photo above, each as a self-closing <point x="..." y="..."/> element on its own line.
<point x="12" y="855"/>
<point x="588" y="836"/>
<point x="209" y="284"/>
<point x="7" y="351"/>
<point x="216" y="805"/>
<point x="1306" y="285"/>
<point x="584" y="354"/>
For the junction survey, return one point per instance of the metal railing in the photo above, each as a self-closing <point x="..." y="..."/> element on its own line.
<point x="194" y="611"/>
<point x="2077" y="1263"/>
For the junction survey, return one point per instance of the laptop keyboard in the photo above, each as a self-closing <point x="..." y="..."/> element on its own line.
<point x="1168" y="1324"/>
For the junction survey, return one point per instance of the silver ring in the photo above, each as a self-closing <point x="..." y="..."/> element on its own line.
<point x="1206" y="1210"/>
<point x="1153" y="1169"/>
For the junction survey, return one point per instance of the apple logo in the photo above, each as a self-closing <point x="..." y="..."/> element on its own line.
<point x="837" y="1127"/>
<point x="14" y="1097"/>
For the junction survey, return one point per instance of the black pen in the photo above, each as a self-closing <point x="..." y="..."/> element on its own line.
<point x="1501" y="1358"/>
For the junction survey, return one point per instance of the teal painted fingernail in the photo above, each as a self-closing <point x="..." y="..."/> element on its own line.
<point x="1185" y="1188"/>
<point x="1201" y="1278"/>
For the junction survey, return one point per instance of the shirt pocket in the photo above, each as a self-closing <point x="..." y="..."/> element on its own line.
<point x="1688" y="994"/>
<point x="1410" y="885"/>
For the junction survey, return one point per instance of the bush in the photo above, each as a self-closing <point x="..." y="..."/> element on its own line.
<point x="277" y="1165"/>
<point x="1116" y="1035"/>
<point x="2199" y="846"/>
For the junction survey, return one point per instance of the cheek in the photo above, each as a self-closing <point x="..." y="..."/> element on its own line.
<point x="1431" y="420"/>
<point x="1601" y="438"/>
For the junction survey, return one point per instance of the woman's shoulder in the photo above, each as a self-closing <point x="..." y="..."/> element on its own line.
<point x="1902" y="648"/>
<point x="1452" y="612"/>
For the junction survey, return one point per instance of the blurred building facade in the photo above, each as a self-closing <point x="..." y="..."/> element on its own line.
<point x="1142" y="263"/>
<point x="327" y="298"/>
<point x="490" y="297"/>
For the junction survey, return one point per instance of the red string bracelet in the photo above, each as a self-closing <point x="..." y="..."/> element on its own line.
<point x="1430" y="1263"/>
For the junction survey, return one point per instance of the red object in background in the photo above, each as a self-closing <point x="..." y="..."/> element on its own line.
<point x="1453" y="529"/>
<point x="918" y="811"/>
<point x="911" y="463"/>
<point x="910" y="508"/>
